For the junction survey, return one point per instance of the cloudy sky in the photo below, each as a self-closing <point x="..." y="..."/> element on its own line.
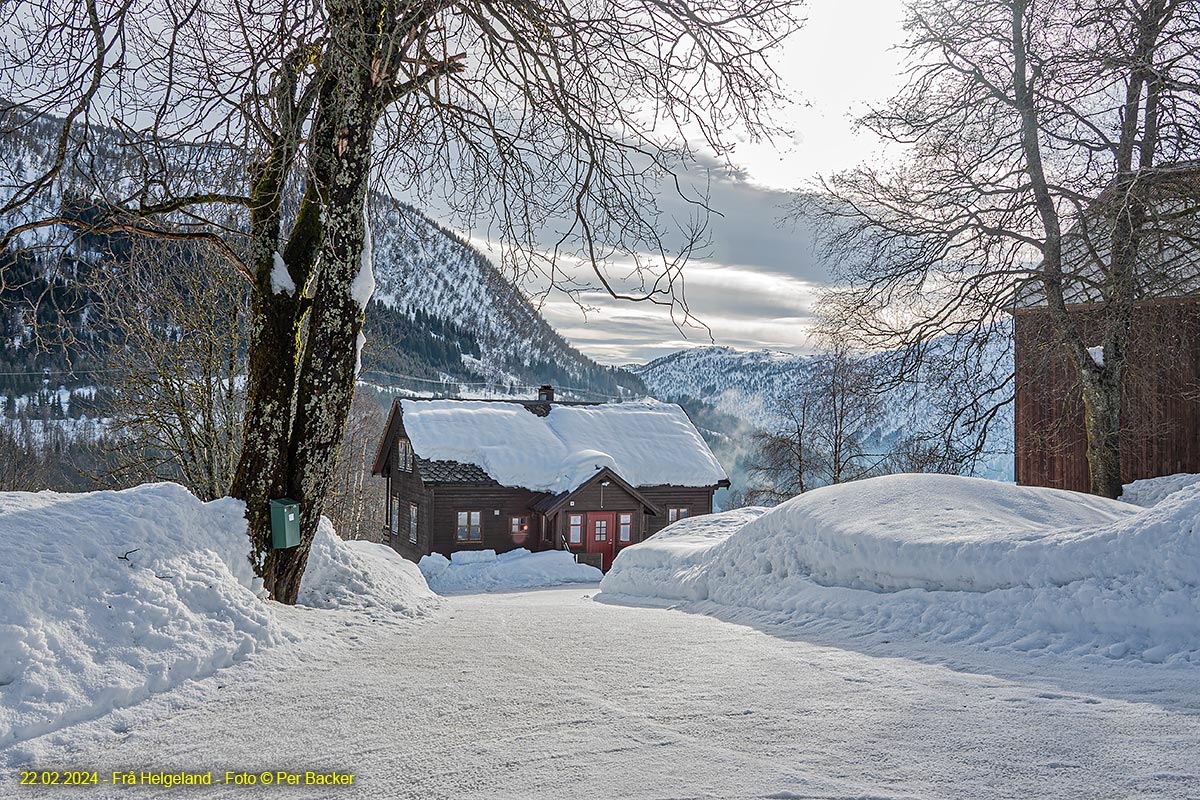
<point x="756" y="287"/>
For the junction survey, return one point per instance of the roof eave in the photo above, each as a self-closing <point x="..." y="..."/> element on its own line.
<point x="382" y="453"/>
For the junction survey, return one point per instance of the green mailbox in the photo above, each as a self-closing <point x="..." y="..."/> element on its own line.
<point x="285" y="523"/>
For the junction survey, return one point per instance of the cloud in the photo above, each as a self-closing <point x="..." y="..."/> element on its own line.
<point x="754" y="288"/>
<point x="740" y="306"/>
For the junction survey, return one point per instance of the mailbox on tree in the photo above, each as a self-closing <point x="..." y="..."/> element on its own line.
<point x="285" y="523"/>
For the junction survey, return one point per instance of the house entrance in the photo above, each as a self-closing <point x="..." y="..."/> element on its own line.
<point x="601" y="536"/>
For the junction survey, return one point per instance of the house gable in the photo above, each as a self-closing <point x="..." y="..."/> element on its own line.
<point x="584" y="495"/>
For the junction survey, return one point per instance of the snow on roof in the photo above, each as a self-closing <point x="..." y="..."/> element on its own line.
<point x="646" y="443"/>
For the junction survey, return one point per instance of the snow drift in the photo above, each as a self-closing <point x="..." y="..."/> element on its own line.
<point x="1151" y="491"/>
<point x="673" y="564"/>
<point x="107" y="597"/>
<point x="469" y="571"/>
<point x="949" y="558"/>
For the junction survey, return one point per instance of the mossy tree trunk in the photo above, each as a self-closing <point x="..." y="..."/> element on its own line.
<point x="304" y="356"/>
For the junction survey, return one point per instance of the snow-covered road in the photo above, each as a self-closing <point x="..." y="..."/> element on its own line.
<point x="549" y="694"/>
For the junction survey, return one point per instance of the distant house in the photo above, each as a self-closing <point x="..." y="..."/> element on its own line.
<point x="541" y="474"/>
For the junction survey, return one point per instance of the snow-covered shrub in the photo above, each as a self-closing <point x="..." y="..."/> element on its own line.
<point x="353" y="574"/>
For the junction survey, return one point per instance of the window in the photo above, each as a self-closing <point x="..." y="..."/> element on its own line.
<point x="404" y="455"/>
<point x="624" y="528"/>
<point x="412" y="523"/>
<point x="470" y="526"/>
<point x="676" y="514"/>
<point x="575" y="528"/>
<point x="601" y="530"/>
<point x="395" y="516"/>
<point x="518" y="525"/>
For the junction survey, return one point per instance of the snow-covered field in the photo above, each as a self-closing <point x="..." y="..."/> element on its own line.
<point x="484" y="571"/>
<point x="948" y="559"/>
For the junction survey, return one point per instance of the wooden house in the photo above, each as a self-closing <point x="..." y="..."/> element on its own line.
<point x="540" y="474"/>
<point x="1160" y="412"/>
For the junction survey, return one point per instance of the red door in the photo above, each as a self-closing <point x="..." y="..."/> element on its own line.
<point x="601" y="533"/>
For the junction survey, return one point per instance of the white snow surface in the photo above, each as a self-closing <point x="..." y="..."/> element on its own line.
<point x="364" y="282"/>
<point x="352" y="574"/>
<point x="546" y="695"/>
<point x="953" y="560"/>
<point x="1151" y="491"/>
<point x="646" y="443"/>
<point x="1097" y="354"/>
<point x="675" y="560"/>
<point x="109" y="597"/>
<point x="359" y="344"/>
<point x="281" y="280"/>
<point x="472" y="571"/>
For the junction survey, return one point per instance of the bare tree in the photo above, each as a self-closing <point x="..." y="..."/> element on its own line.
<point x="23" y="464"/>
<point x="782" y="462"/>
<point x="827" y="435"/>
<point x="846" y="401"/>
<point x="177" y="364"/>
<point x="1048" y="158"/>
<point x="259" y="127"/>
<point x="356" y="502"/>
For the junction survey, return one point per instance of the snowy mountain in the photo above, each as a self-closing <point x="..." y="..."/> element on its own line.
<point x="443" y="319"/>
<point x="442" y="309"/>
<point x="750" y="386"/>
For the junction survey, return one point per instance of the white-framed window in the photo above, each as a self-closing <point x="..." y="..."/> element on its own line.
<point x="624" y="528"/>
<point x="470" y="527"/>
<point x="395" y="516"/>
<point x="575" y="528"/>
<point x="518" y="526"/>
<point x="601" y="532"/>
<point x="676" y="514"/>
<point x="404" y="455"/>
<point x="412" y="523"/>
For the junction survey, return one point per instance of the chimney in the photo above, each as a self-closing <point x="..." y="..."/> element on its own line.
<point x="546" y="393"/>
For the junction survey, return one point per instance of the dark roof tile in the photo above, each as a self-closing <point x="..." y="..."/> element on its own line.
<point x="452" y="472"/>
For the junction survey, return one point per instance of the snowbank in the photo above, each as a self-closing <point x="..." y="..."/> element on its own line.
<point x="350" y="574"/>
<point x="672" y="564"/>
<point x="953" y="559"/>
<point x="1150" y="491"/>
<point x="107" y="597"/>
<point x="470" y="571"/>
<point x="646" y="443"/>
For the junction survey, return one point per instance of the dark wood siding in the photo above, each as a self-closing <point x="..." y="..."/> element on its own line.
<point x="613" y="498"/>
<point x="496" y="504"/>
<point x="407" y="487"/>
<point x="696" y="500"/>
<point x="1161" y="405"/>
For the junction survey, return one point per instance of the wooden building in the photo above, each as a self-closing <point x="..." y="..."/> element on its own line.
<point x="1161" y="406"/>
<point x="540" y="474"/>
